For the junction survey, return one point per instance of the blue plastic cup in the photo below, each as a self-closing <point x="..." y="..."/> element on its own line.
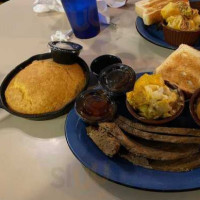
<point x="83" y="17"/>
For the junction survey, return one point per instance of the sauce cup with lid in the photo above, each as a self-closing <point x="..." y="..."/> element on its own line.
<point x="65" y="52"/>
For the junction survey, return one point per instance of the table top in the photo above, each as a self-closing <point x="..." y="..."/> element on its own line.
<point x="35" y="161"/>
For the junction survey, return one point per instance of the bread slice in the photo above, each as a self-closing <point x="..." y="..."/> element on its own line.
<point x="180" y="165"/>
<point x="149" y="10"/>
<point x="179" y="139"/>
<point x="150" y="149"/>
<point x="182" y="68"/>
<point x="105" y="141"/>
<point x="123" y="121"/>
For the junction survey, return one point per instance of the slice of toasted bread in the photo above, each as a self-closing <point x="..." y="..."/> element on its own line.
<point x="149" y="10"/>
<point x="182" y="68"/>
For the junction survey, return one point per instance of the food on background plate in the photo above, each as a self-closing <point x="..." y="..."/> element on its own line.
<point x="153" y="99"/>
<point x="181" y="16"/>
<point x="182" y="68"/>
<point x="149" y="10"/>
<point x="181" y="24"/>
<point x="44" y="86"/>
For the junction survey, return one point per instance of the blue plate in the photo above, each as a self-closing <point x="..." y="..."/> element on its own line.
<point x="121" y="171"/>
<point x="154" y="35"/>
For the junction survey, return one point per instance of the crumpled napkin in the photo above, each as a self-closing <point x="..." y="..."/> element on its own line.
<point x="115" y="3"/>
<point x="40" y="6"/>
<point x="60" y="36"/>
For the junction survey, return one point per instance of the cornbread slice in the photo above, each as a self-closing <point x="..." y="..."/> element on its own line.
<point x="44" y="86"/>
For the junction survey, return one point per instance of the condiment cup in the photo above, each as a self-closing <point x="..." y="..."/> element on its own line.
<point x="117" y="79"/>
<point x="94" y="106"/>
<point x="65" y="52"/>
<point x="102" y="62"/>
<point x="193" y="105"/>
<point x="135" y="114"/>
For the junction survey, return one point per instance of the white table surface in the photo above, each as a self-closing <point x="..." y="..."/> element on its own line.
<point x="35" y="161"/>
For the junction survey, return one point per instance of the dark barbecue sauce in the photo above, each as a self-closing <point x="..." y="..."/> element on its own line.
<point x="96" y="106"/>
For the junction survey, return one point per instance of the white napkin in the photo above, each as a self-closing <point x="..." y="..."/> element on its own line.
<point x="40" y="6"/>
<point x="104" y="16"/>
<point x="115" y="3"/>
<point x="60" y="36"/>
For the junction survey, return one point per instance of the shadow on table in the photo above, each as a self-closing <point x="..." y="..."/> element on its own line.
<point x="152" y="48"/>
<point x="40" y="129"/>
<point x="152" y="58"/>
<point x="125" y="193"/>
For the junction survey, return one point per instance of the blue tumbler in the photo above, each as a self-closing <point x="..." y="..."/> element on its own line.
<point x="83" y="17"/>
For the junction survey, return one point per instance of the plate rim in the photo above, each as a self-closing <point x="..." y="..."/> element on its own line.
<point x="137" y="21"/>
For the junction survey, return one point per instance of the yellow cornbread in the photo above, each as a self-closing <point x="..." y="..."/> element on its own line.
<point x="44" y="86"/>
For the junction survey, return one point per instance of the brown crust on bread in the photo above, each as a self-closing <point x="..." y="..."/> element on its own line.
<point x="159" y="137"/>
<point x="156" y="129"/>
<point x="181" y="165"/>
<point x="149" y="149"/>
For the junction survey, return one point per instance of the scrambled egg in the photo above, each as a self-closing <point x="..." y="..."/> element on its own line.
<point x="152" y="98"/>
<point x="181" y="16"/>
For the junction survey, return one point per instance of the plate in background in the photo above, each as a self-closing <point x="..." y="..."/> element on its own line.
<point x="155" y="35"/>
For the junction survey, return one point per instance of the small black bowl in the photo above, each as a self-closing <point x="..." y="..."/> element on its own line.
<point x="102" y="62"/>
<point x="117" y="79"/>
<point x="65" y="52"/>
<point x="94" y="106"/>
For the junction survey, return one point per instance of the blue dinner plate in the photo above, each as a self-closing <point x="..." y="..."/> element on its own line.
<point x="155" y="35"/>
<point x="121" y="171"/>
